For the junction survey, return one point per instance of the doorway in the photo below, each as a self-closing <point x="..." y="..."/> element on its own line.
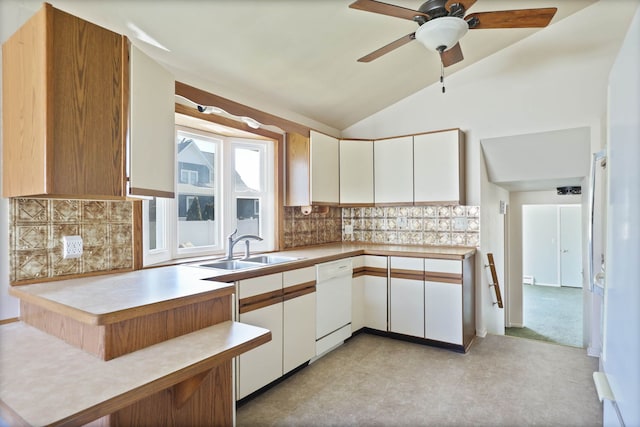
<point x="551" y="274"/>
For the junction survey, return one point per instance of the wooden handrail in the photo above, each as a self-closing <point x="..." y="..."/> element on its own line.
<point x="494" y="277"/>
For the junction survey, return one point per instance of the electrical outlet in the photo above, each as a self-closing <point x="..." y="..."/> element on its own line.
<point x="71" y="247"/>
<point x="348" y="229"/>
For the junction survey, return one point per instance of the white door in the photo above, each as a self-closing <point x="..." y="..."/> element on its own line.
<point x="571" y="246"/>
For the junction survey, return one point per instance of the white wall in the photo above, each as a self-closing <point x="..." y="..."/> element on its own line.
<point x="515" y="92"/>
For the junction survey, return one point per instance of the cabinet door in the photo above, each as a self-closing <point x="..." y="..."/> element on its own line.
<point x="63" y="80"/>
<point x="443" y="312"/>
<point x="299" y="317"/>
<point x="152" y="146"/>
<point x="356" y="172"/>
<point x="406" y="288"/>
<point x="375" y="302"/>
<point x="438" y="167"/>
<point x="325" y="169"/>
<point x="357" y="303"/>
<point x="393" y="170"/>
<point x="263" y="364"/>
<point x="406" y="307"/>
<point x="299" y="331"/>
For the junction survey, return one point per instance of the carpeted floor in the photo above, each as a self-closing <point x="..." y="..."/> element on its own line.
<point x="377" y="381"/>
<point x="551" y="314"/>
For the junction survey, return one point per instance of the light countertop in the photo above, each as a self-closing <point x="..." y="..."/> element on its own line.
<point x="46" y="381"/>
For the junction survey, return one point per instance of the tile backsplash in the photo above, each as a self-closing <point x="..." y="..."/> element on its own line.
<point x="313" y="229"/>
<point x="38" y="225"/>
<point x="415" y="225"/>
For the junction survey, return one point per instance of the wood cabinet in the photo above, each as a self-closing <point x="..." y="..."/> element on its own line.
<point x="85" y="115"/>
<point x="64" y="116"/>
<point x="393" y="171"/>
<point x="406" y="296"/>
<point x="438" y="165"/>
<point x="313" y="170"/>
<point x="356" y="172"/>
<point x="284" y="303"/>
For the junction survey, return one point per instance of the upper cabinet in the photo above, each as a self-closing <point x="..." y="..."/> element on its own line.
<point x="66" y="109"/>
<point x="356" y="172"/>
<point x="312" y="170"/>
<point x="151" y="150"/>
<point x="438" y="167"/>
<point x="393" y="170"/>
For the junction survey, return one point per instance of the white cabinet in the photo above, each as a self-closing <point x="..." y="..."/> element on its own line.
<point x="325" y="169"/>
<point x="374" y="292"/>
<point x="260" y="304"/>
<point x="284" y="303"/>
<point x="406" y="304"/>
<point x="393" y="170"/>
<point x="438" y="165"/>
<point x="299" y="344"/>
<point x="443" y="311"/>
<point x="356" y="172"/>
<point x="151" y="145"/>
<point x="357" y="294"/>
<point x="263" y="364"/>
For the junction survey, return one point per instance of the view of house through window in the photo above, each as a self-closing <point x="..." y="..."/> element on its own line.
<point x="222" y="184"/>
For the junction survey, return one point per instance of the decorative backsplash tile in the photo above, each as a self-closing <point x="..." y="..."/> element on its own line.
<point x="38" y="225"/>
<point x="313" y="229"/>
<point x="414" y="225"/>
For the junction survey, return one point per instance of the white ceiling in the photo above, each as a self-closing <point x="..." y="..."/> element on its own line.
<point x="298" y="56"/>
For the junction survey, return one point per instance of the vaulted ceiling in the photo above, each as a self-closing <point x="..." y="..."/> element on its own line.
<point x="297" y="57"/>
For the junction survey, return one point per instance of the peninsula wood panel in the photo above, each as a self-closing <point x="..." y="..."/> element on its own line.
<point x="66" y="128"/>
<point x="200" y="409"/>
<point x="116" y="339"/>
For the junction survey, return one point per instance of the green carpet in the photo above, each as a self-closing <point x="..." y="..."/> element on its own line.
<point x="552" y="314"/>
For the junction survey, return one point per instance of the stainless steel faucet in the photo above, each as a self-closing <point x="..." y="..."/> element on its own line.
<point x="232" y="240"/>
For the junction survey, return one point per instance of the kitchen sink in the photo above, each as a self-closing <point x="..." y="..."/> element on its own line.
<point x="232" y="265"/>
<point x="271" y="259"/>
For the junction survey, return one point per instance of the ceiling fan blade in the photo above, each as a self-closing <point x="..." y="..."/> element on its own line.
<point x="385" y="9"/>
<point x="466" y="3"/>
<point x="524" y="18"/>
<point x="388" y="48"/>
<point x="452" y="56"/>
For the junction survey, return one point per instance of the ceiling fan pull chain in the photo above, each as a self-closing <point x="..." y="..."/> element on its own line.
<point x="442" y="76"/>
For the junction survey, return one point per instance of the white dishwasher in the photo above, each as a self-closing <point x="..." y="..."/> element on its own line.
<point x="333" y="299"/>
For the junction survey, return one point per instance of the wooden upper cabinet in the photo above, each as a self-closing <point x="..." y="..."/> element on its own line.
<point x="64" y="109"/>
<point x="152" y="146"/>
<point x="74" y="94"/>
<point x="438" y="165"/>
<point x="356" y="172"/>
<point x="393" y="168"/>
<point x="312" y="170"/>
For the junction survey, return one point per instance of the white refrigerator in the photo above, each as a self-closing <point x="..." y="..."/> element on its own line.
<point x="620" y="361"/>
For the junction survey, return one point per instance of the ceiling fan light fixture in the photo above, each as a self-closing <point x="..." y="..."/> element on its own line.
<point x="441" y="34"/>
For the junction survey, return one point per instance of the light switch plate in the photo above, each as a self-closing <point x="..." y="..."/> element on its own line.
<point x="348" y="229"/>
<point x="460" y="223"/>
<point x="71" y="247"/>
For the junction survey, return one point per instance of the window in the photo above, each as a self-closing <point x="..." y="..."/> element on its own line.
<point x="222" y="184"/>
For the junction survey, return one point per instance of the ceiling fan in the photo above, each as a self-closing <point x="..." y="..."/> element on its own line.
<point x="442" y="23"/>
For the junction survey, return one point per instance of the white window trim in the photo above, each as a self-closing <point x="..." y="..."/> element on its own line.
<point x="225" y="215"/>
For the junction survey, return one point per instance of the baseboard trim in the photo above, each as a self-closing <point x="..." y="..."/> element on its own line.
<point x="516" y="325"/>
<point x="594" y="351"/>
<point x="481" y="332"/>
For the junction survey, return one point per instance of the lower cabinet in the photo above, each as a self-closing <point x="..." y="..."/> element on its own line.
<point x="443" y="311"/>
<point x="263" y="364"/>
<point x="406" y="300"/>
<point x="284" y="303"/>
<point x="299" y="320"/>
<point x="369" y="297"/>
